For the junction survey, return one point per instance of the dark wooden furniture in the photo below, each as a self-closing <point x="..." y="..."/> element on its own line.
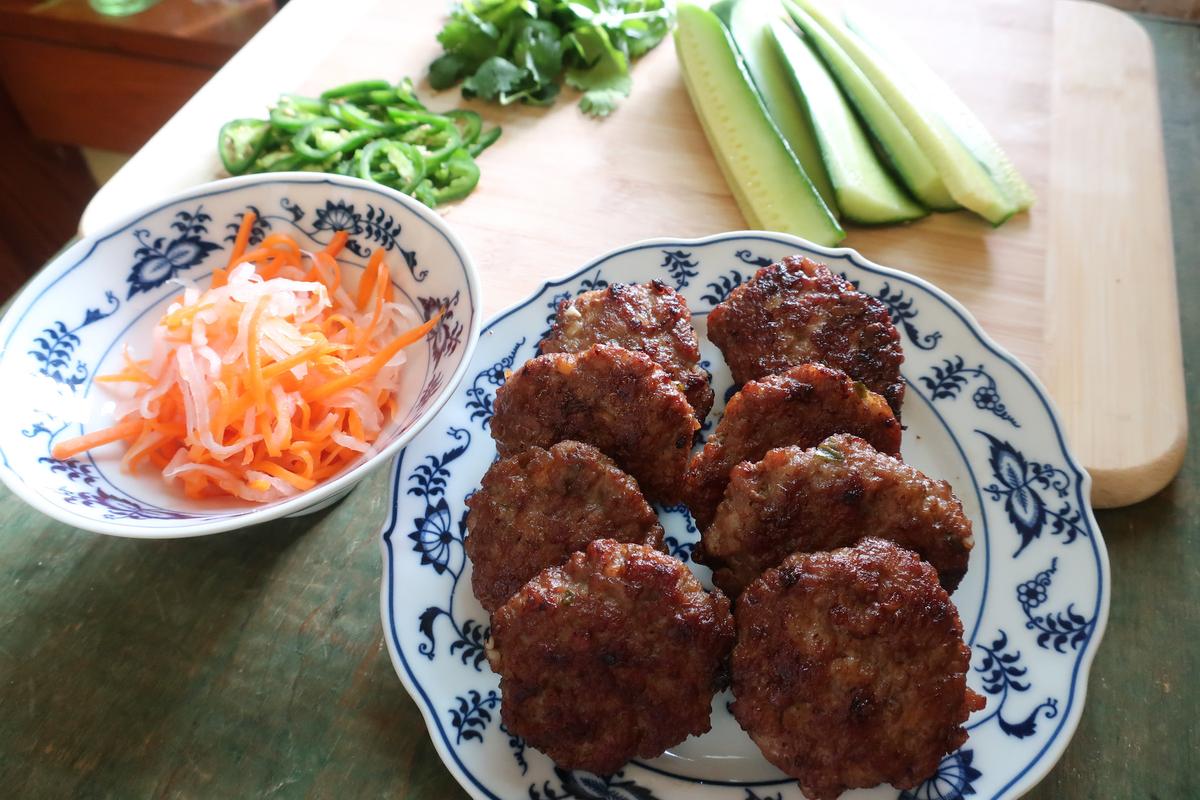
<point x="81" y="78"/>
<point x="71" y="78"/>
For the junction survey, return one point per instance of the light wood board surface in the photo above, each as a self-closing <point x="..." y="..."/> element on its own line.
<point x="1114" y="331"/>
<point x="560" y="188"/>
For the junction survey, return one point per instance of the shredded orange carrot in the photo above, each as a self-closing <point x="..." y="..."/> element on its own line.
<point x="243" y="237"/>
<point x="366" y="286"/>
<point x="126" y="429"/>
<point x="272" y="380"/>
<point x="336" y="244"/>
<point x="373" y="366"/>
<point x="254" y="356"/>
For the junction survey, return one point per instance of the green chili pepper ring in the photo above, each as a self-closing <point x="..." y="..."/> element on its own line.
<point x="399" y="165"/>
<point x="456" y="178"/>
<point x="239" y="143"/>
<point x="374" y="129"/>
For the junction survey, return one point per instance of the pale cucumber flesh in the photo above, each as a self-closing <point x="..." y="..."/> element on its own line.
<point x="968" y="181"/>
<point x="954" y="112"/>
<point x="910" y="162"/>
<point x="747" y="21"/>
<point x="865" y="191"/>
<point x="762" y="171"/>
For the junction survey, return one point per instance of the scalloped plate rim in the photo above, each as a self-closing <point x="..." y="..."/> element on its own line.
<point x="1045" y="759"/>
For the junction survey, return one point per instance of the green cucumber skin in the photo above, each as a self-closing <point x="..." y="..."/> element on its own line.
<point x="865" y="191"/>
<point x="702" y="40"/>
<point x="968" y="181"/>
<point x="910" y="162"/>
<point x="958" y="117"/>
<point x="746" y="21"/>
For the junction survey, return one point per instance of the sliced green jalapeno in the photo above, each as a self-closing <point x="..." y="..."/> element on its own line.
<point x="324" y="136"/>
<point x="424" y="193"/>
<point x="392" y="163"/>
<point x="356" y="118"/>
<point x="294" y="111"/>
<point x="240" y="142"/>
<point x="278" y="161"/>
<point x="437" y="135"/>
<point x="455" y="178"/>
<point x="485" y="140"/>
<point x="469" y="124"/>
<point x="374" y="129"/>
<point x="354" y="89"/>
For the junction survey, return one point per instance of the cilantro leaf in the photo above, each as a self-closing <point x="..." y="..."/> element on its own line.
<point x="520" y="50"/>
<point x="538" y="49"/>
<point x="642" y="34"/>
<point x="605" y="80"/>
<point x="471" y="40"/>
<point x="590" y="45"/>
<point x="446" y="70"/>
<point x="601" y="102"/>
<point x="604" y="85"/>
<point x="496" y="79"/>
<point x="542" y="95"/>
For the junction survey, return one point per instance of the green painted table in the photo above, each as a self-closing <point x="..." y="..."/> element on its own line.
<point x="253" y="665"/>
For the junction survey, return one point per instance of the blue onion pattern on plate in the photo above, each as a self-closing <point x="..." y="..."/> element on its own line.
<point x="1034" y="602"/>
<point x="72" y="320"/>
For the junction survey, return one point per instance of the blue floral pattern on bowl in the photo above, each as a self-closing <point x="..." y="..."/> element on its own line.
<point x="1033" y="604"/>
<point x="70" y="324"/>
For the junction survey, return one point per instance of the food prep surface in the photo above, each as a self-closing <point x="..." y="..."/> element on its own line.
<point x="254" y="663"/>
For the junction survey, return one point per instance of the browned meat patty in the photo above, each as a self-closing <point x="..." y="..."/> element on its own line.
<point x="850" y="669"/>
<point x="798" y="500"/>
<point x="533" y="510"/>
<point x="607" y="396"/>
<point x="651" y="318"/>
<point x="798" y="407"/>
<point x="614" y="655"/>
<point x="796" y="311"/>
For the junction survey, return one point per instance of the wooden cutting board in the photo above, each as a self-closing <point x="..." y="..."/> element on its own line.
<point x="1082" y="288"/>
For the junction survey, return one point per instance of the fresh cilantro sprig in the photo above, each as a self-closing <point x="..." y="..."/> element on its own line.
<point x="510" y="51"/>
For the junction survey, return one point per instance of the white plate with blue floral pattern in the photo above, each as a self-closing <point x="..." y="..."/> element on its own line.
<point x="1033" y="604"/>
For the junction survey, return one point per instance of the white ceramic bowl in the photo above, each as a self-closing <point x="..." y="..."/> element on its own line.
<point x="69" y="324"/>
